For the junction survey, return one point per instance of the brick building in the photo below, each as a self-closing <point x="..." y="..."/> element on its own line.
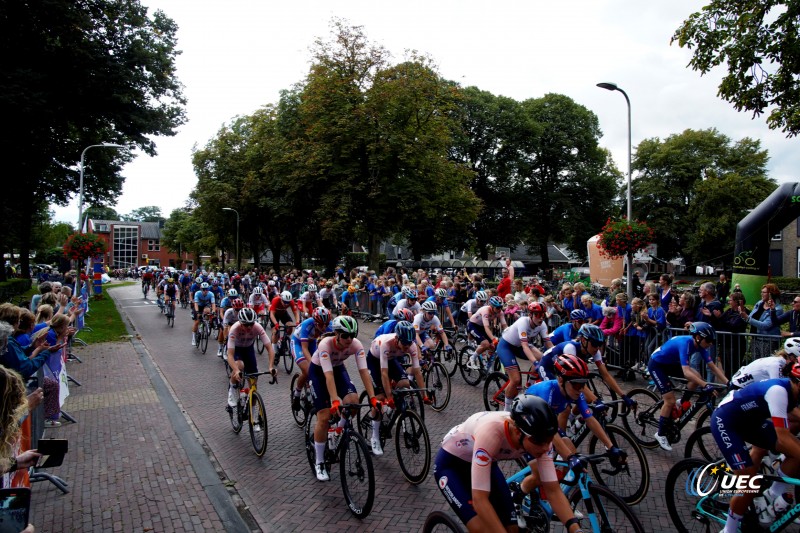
<point x="132" y="244"/>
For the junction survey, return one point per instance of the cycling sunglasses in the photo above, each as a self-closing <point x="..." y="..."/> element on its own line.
<point x="346" y="336"/>
<point x="538" y="314"/>
<point x="596" y="344"/>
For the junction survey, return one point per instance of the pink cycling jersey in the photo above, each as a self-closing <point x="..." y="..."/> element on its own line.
<point x="386" y="347"/>
<point x="523" y="331"/>
<point x="484" y="438"/>
<point x="485" y="316"/>
<point x="329" y="355"/>
<point x="240" y="336"/>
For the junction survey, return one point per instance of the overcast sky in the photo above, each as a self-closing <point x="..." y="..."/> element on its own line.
<point x="238" y="54"/>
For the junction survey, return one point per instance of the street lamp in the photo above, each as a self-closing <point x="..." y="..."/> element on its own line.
<point x="238" y="261"/>
<point x="613" y="87"/>
<point x="80" y="196"/>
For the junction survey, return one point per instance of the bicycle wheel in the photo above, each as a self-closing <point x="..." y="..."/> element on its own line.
<point x="259" y="345"/>
<point x="235" y="414"/>
<point x="703" y="418"/>
<point x="693" y="513"/>
<point x="450" y="361"/>
<point x="642" y="423"/>
<point x="701" y="443"/>
<point x="441" y="522"/>
<point x="311" y="454"/>
<point x="358" y="476"/>
<point x="288" y="360"/>
<point x="438" y="380"/>
<point x="301" y="414"/>
<point x="364" y="422"/>
<point x="604" y="393"/>
<point x="611" y="512"/>
<point x="258" y="424"/>
<point x="471" y="375"/>
<point x="413" y="447"/>
<point x="204" y="334"/>
<point x="632" y="484"/>
<point x="494" y="396"/>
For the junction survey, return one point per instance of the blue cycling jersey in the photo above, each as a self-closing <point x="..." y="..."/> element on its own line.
<point x="307" y="330"/>
<point x="204" y="299"/>
<point x="563" y="333"/>
<point x="678" y="351"/>
<point x="547" y="362"/>
<point x="386" y="327"/>
<point x="550" y="392"/>
<point x="396" y="298"/>
<point x="747" y="408"/>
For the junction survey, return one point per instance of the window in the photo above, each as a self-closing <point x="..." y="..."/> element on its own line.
<point x="102" y="227"/>
<point x="153" y="245"/>
<point x="778" y="236"/>
<point x="125" y="246"/>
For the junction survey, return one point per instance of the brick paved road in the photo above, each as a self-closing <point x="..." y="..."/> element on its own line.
<point x="279" y="489"/>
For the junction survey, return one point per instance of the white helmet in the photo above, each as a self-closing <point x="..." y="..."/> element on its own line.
<point x="792" y="346"/>
<point x="257" y="290"/>
<point x="311" y="288"/>
<point x="286" y="296"/>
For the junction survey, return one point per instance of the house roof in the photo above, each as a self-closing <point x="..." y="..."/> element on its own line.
<point x="148" y="230"/>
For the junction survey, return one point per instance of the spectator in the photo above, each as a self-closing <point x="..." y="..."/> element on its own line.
<point x="723" y="288"/>
<point x="57" y="335"/>
<point x="592" y="310"/>
<point x="635" y="333"/>
<point x="44" y="288"/>
<point x="731" y="350"/>
<point x="682" y="311"/>
<point x="612" y="322"/>
<point x="656" y="320"/>
<point x="567" y="301"/>
<point x="552" y="312"/>
<point x="25" y="361"/>
<point x="709" y="309"/>
<point x="637" y="284"/>
<point x="760" y="321"/>
<point x="504" y="287"/>
<point x="792" y="317"/>
<point x="27" y="321"/>
<point x="665" y="291"/>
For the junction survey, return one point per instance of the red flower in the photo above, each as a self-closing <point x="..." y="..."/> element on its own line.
<point x="621" y="237"/>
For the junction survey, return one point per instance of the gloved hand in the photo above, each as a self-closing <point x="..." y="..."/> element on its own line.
<point x="708" y="388"/>
<point x="575" y="463"/>
<point x="448" y="348"/>
<point x="516" y="492"/>
<point x="495" y="341"/>
<point x="390" y="402"/>
<point x="424" y="349"/>
<point x="427" y="400"/>
<point x="628" y="401"/>
<point x="374" y="402"/>
<point x="335" y="407"/>
<point x="599" y="406"/>
<point x="616" y="455"/>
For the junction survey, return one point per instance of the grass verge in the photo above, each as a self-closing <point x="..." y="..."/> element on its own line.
<point x="104" y="319"/>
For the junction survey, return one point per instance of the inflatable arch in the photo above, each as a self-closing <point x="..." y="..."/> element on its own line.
<point x="753" y="233"/>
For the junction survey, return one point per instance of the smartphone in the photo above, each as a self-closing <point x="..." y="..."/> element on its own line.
<point x="15" y="505"/>
<point x="53" y="451"/>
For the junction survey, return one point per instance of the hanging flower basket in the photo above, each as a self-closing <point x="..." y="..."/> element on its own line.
<point x="80" y="246"/>
<point x="621" y="237"/>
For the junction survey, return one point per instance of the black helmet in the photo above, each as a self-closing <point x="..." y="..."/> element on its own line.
<point x="534" y="417"/>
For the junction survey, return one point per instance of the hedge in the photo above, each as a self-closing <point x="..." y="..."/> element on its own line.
<point x="14" y="287"/>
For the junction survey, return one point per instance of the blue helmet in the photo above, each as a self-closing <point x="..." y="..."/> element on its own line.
<point x="592" y="333"/>
<point x="405" y="332"/>
<point x="703" y="329"/>
<point x="578" y="314"/>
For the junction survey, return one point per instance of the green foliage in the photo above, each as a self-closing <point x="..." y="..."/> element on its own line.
<point x="150" y="213"/>
<point x="786" y="284"/>
<point x="105" y="321"/>
<point x="14" y="287"/>
<point x="758" y="42"/>
<point x="101" y="212"/>
<point x="357" y="259"/>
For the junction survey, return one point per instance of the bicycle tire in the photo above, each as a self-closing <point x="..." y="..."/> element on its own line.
<point x="612" y="513"/>
<point x="237" y="420"/>
<point x="627" y="487"/>
<point x="441" y="522"/>
<point x="259" y="345"/>
<point x="604" y="393"/>
<point x="494" y="391"/>
<point x="471" y="376"/>
<point x="364" y="422"/>
<point x="357" y="473"/>
<point x="703" y="418"/>
<point x="412" y="443"/>
<point x="682" y="507"/>
<point x="258" y="424"/>
<point x="643" y="422"/>
<point x="204" y="334"/>
<point x="301" y="414"/>
<point x="227" y="367"/>
<point x="288" y="361"/>
<point x="438" y="380"/>
<point x="449" y="359"/>
<point x="702" y="444"/>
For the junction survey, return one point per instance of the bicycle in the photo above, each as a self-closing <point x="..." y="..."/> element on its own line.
<point x="437" y="380"/>
<point x="184" y="298"/>
<point x="306" y="401"/>
<point x="476" y="367"/>
<point x="643" y="423"/>
<point x="264" y="321"/>
<point x="283" y="350"/>
<point x="448" y="358"/>
<point x="145" y="289"/>
<point x="411" y="441"/>
<point x="170" y="313"/>
<point x="203" y="332"/>
<point x="347" y="447"/>
<point x="250" y="407"/>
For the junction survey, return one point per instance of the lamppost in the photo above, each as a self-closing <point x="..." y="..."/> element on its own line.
<point x="238" y="261"/>
<point x="80" y="195"/>
<point x="629" y="259"/>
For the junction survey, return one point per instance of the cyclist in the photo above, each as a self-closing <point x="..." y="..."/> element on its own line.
<point x="572" y="374"/>
<point x="426" y="325"/>
<point x="283" y="310"/>
<point x="515" y="343"/>
<point x="348" y="301"/>
<point x="482" y="324"/>
<point x="768" y="367"/>
<point x="241" y="352"/>
<point x="272" y="290"/>
<point x="147" y="277"/>
<point x="327" y="295"/>
<point x="673" y="359"/>
<point x="258" y="301"/>
<point x="569" y="331"/>
<point x="230" y="318"/>
<point x="758" y="415"/>
<point x="172" y="293"/>
<point x="331" y="383"/>
<point x="304" y="344"/>
<point x="408" y="301"/>
<point x="162" y="282"/>
<point x="203" y="299"/>
<point x="308" y="301"/>
<point x="384" y="360"/>
<point x="225" y="304"/>
<point x="389" y="325"/>
<point x="468" y="476"/>
<point x="440" y="299"/>
<point x="217" y="290"/>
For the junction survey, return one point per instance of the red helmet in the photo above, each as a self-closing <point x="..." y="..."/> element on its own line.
<point x="238" y="303"/>
<point x="572" y="368"/>
<point x="404" y="314"/>
<point x="794" y="372"/>
<point x="535" y="308"/>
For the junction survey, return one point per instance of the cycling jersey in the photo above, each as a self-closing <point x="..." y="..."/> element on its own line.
<point x="203" y="300"/>
<point x="307" y="331"/>
<point x="386" y="347"/>
<point x="470" y="306"/>
<point x="277" y="305"/>
<point x="423" y="327"/>
<point x="487" y="317"/>
<point x="523" y="330"/>
<point x="241" y="336"/>
<point x="403" y="304"/>
<point x="329" y="354"/>
<point x="563" y="333"/>
<point x="550" y="392"/>
<point x="309" y="298"/>
<point x="750" y="415"/>
<point x="679" y="350"/>
<point x="231" y="317"/>
<point x="759" y="370"/>
<point x="547" y="362"/>
<point x="171" y="289"/>
<point x="386" y="327"/>
<point x="257" y="300"/>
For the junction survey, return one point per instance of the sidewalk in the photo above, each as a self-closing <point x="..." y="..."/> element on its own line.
<point x="126" y="467"/>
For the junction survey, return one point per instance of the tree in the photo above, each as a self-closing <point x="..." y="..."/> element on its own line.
<point x="101" y="212"/>
<point x="666" y="189"/>
<point x="758" y="41"/>
<point x="74" y="74"/>
<point x="183" y="232"/>
<point x="150" y="213"/>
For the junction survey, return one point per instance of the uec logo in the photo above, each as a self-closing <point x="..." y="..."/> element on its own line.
<point x="702" y="482"/>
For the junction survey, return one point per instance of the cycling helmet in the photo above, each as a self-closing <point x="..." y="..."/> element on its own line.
<point x="496" y="302"/>
<point x="535" y="308"/>
<point x="407" y="292"/>
<point x="441" y="293"/>
<point x="247" y="316"/>
<point x="286" y="296"/>
<point x="794" y="372"/>
<point x="410" y="294"/>
<point x="792" y="346"/>
<point x="198" y="280"/>
<point x="311" y="288"/>
<point x="351" y="289"/>
<point x="405" y="332"/>
<point x="481" y="296"/>
<point x="345" y="324"/>
<point x="534" y="417"/>
<point x="578" y="314"/>
<point x="429" y="307"/>
<point x="592" y="333"/>
<point x="258" y="290"/>
<point x="571" y="368"/>
<point x="271" y="283"/>
<point x="171" y="280"/>
<point x="238" y="303"/>
<point x="204" y="286"/>
<point x="233" y="293"/>
<point x="404" y="314"/>
<point x="704" y="330"/>
<point x="322" y="316"/>
<point x="215" y="282"/>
